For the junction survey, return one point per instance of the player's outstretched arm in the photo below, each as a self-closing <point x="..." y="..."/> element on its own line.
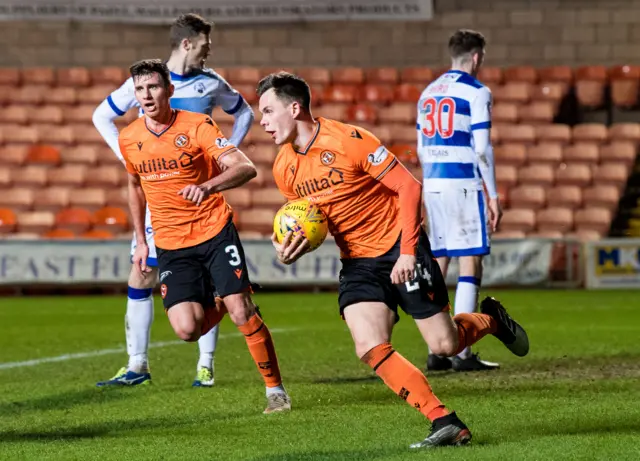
<point x="137" y="206"/>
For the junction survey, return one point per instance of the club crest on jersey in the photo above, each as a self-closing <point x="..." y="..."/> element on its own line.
<point x="222" y="143"/>
<point x="199" y="87"/>
<point x="181" y="140"/>
<point x="379" y="156"/>
<point x="327" y="157"/>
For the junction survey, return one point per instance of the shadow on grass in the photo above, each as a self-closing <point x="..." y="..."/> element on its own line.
<point x="346" y="455"/>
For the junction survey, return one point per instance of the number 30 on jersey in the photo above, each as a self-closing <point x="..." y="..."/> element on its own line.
<point x="436" y="116"/>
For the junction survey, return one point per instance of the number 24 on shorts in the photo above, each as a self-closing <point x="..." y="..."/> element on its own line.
<point x="437" y="117"/>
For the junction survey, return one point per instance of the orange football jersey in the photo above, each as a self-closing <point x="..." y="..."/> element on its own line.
<point x="340" y="170"/>
<point x="184" y="153"/>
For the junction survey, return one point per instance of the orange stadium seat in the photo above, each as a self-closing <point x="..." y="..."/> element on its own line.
<point x="625" y="132"/>
<point x="564" y="197"/>
<point x="248" y="92"/>
<point x="112" y="76"/>
<point x="527" y="196"/>
<point x="32" y="175"/>
<point x="408" y="92"/>
<point x="544" y="153"/>
<point x="35" y="221"/>
<point x="399" y="112"/>
<point x="590" y="85"/>
<point x="73" y="77"/>
<point x="333" y="111"/>
<point x="619" y="151"/>
<point x="68" y="175"/>
<point x="59" y="234"/>
<point x="118" y="197"/>
<point x="421" y="75"/>
<point x="5" y="94"/>
<point x="536" y="174"/>
<point x="602" y="195"/>
<point x="317" y="75"/>
<point x="257" y="220"/>
<point x="585" y="235"/>
<point x="595" y="132"/>
<point x="340" y="93"/>
<point x="262" y="153"/>
<point x="550" y="91"/>
<point x="510" y="234"/>
<point x="8" y="221"/>
<point x="505" y="112"/>
<point x="376" y="93"/>
<point x="97" y="234"/>
<point x="506" y="175"/>
<point x="517" y="219"/>
<point x="53" y="198"/>
<point x="15" y="114"/>
<point x="89" y="198"/>
<point x="238" y="75"/>
<point x="577" y="174"/>
<point x="79" y="114"/>
<point x="519" y="92"/>
<point x="402" y="133"/>
<point x="561" y="74"/>
<point x="238" y="198"/>
<point x="74" y="219"/>
<point x="106" y="176"/>
<point x="555" y="132"/>
<point x="94" y="94"/>
<point x="5" y="178"/>
<point x="17" y="198"/>
<point x="593" y="218"/>
<point x="14" y="154"/>
<point x="43" y="155"/>
<point x="270" y="198"/>
<point x="387" y="75"/>
<point x="347" y="75"/>
<point x="56" y="134"/>
<point x="63" y="96"/>
<point x="524" y="134"/>
<point x="625" y="83"/>
<point x="582" y="152"/>
<point x="20" y="134"/>
<point x="538" y="112"/>
<point x="361" y="113"/>
<point x="9" y="76"/>
<point x="510" y="154"/>
<point x="546" y="234"/>
<point x="491" y="75"/>
<point x="382" y="132"/>
<point x="38" y="76"/>
<point x="47" y="114"/>
<point x="555" y="219"/>
<point x="110" y="218"/>
<point x="611" y="173"/>
<point x="29" y="94"/>
<point x="527" y="74"/>
<point x="82" y="154"/>
<point x="86" y="133"/>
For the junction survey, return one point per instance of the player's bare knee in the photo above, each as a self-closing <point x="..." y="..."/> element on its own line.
<point x="444" y="346"/>
<point x="142" y="281"/>
<point x="240" y="308"/>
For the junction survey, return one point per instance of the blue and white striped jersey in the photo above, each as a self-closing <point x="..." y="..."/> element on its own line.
<point x="450" y="110"/>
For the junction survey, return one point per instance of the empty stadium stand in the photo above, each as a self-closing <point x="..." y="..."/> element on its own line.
<point x="560" y="171"/>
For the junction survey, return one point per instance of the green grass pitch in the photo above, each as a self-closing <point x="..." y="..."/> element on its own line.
<point x="575" y="397"/>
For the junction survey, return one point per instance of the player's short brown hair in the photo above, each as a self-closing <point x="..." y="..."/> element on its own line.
<point x="465" y="41"/>
<point x="151" y="66"/>
<point x="187" y="26"/>
<point x="287" y="87"/>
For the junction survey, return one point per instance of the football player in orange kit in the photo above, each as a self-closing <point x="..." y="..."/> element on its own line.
<point x="179" y="162"/>
<point x="373" y="206"/>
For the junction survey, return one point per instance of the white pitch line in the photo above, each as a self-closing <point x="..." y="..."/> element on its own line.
<point x="118" y="350"/>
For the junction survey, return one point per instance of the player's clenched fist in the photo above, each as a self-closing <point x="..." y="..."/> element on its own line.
<point x="289" y="251"/>
<point x="140" y="255"/>
<point x="194" y="193"/>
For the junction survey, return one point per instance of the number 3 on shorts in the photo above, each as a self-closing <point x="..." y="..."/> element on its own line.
<point x="232" y="250"/>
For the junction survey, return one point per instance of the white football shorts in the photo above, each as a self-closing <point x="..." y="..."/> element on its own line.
<point x="457" y="222"/>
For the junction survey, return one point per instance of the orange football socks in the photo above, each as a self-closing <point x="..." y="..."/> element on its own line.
<point x="262" y="350"/>
<point x="405" y="380"/>
<point x="472" y="328"/>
